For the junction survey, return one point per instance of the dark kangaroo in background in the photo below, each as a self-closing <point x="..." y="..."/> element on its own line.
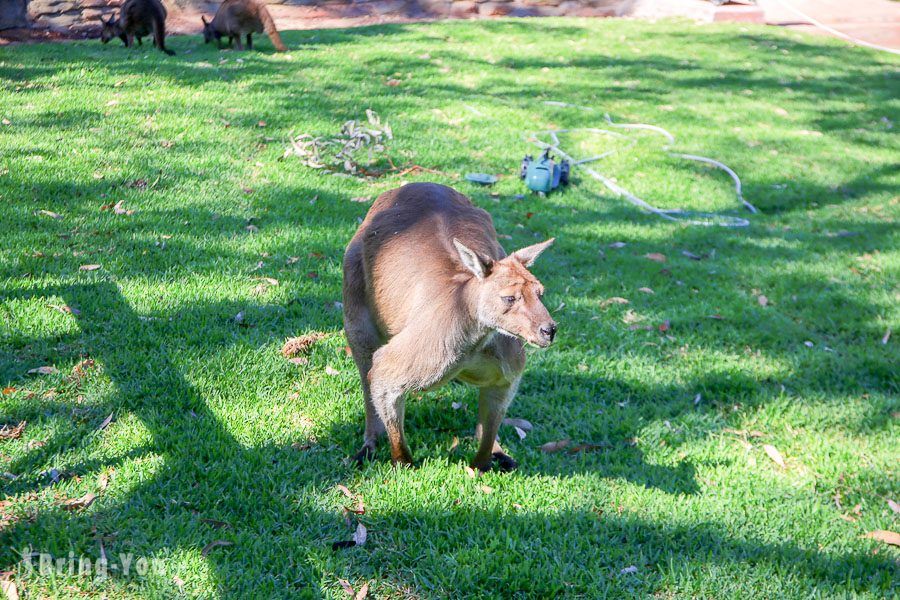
<point x="238" y="17"/>
<point x="431" y="296"/>
<point x="136" y="19"/>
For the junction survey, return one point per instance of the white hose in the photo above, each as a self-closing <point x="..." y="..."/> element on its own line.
<point x="669" y="214"/>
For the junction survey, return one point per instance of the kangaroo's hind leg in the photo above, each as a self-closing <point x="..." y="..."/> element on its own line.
<point x="362" y="335"/>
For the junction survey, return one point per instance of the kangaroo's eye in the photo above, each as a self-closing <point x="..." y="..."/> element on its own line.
<point x="509" y="300"/>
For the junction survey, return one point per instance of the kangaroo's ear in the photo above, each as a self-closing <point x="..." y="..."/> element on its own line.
<point x="479" y="266"/>
<point x="527" y="255"/>
<point x="202" y="18"/>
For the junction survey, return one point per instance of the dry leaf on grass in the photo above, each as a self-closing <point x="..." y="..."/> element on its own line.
<point x="774" y="454"/>
<point x="12" y="433"/>
<point x="763" y="301"/>
<point x="105" y="422"/>
<point x="88" y="267"/>
<point x="613" y="300"/>
<point x="299" y="360"/>
<point x="550" y="447"/>
<point x="520" y="432"/>
<point x="360" y="535"/>
<point x="363" y="591"/>
<point x="454" y="443"/>
<point x="520" y="423"/>
<point x="43" y="371"/>
<point x="656" y="257"/>
<point x="83" y="366"/>
<point x="487" y="489"/>
<point x="646" y="290"/>
<point x="345" y="585"/>
<point x="894" y="506"/>
<point x="299" y="345"/>
<point x="617" y="245"/>
<point x="471" y="472"/>
<point x="51" y="214"/>
<point x="77" y="503"/>
<point x="214" y="544"/>
<point x="583" y="447"/>
<point x="216" y="524"/>
<point x="882" y="535"/>
<point x="344" y="490"/>
<point x="690" y="255"/>
<point x="887" y="337"/>
<point x="65" y="308"/>
<point x="329" y="370"/>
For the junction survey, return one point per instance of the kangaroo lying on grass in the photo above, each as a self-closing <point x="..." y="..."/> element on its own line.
<point x="430" y="296"/>
<point x="238" y="17"/>
<point x="136" y="19"/>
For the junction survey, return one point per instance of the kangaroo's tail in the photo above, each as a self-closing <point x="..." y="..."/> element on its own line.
<point x="159" y="31"/>
<point x="269" y="26"/>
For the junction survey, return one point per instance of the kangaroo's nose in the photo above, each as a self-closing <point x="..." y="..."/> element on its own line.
<point x="548" y="330"/>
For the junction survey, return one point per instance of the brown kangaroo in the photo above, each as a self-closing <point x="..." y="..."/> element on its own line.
<point x="430" y="296"/>
<point x="238" y="17"/>
<point x="136" y="19"/>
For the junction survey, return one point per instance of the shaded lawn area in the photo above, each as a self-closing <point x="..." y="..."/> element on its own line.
<point x="212" y="426"/>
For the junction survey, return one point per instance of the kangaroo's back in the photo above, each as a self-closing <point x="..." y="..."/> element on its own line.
<point x="404" y="252"/>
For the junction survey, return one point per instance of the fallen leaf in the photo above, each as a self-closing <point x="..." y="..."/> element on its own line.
<point x="363" y="592"/>
<point x="344" y="490"/>
<point x="894" y="506"/>
<point x="470" y="472"/>
<point x="43" y="371"/>
<point x="105" y="422"/>
<point x="629" y="570"/>
<point x="486" y="489"/>
<point x="166" y="143"/>
<point x="520" y="432"/>
<point x="360" y="199"/>
<point x="646" y="290"/>
<point x="51" y="214"/>
<point x="214" y="544"/>
<point x="887" y="336"/>
<point x="454" y="443"/>
<point x="261" y="124"/>
<point x="9" y="390"/>
<point x="774" y="454"/>
<point x="9" y="589"/>
<point x="888" y="537"/>
<point x="691" y="255"/>
<point x="102" y="481"/>
<point x="582" y="447"/>
<point x="664" y="326"/>
<point x="617" y="245"/>
<point x="88" y="267"/>
<point x="613" y="300"/>
<point x="329" y="370"/>
<point x="299" y="360"/>
<point x="76" y="503"/>
<point x="299" y="345"/>
<point x="120" y="210"/>
<point x="656" y="257"/>
<point x="455" y="405"/>
<point x="64" y="308"/>
<point x="80" y="369"/>
<point x="347" y="587"/>
<point x="360" y="535"/>
<point x="393" y="82"/>
<point x="554" y="446"/>
<point x="216" y="524"/>
<point x="521" y="423"/>
<point x="178" y="581"/>
<point x="763" y="301"/>
<point x="12" y="433"/>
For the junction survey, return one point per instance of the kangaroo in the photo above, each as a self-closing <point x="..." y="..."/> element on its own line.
<point x="237" y="17"/>
<point x="136" y="19"/>
<point x="430" y="296"/>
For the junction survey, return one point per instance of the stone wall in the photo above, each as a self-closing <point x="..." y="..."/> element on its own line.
<point x="83" y="16"/>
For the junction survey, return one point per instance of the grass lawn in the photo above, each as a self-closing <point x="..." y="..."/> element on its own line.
<point x="215" y="436"/>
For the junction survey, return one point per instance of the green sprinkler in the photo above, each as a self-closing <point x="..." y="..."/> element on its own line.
<point x="544" y="174"/>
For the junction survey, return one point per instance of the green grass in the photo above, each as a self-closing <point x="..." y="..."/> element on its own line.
<point x="211" y="422"/>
